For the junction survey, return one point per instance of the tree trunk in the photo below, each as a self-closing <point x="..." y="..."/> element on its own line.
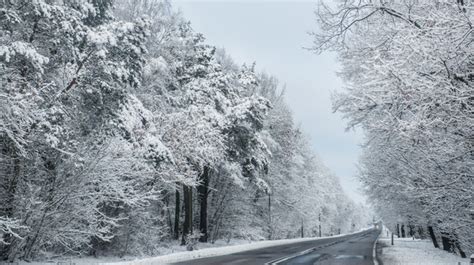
<point x="188" y="213"/>
<point x="447" y="243"/>
<point x="203" y="192"/>
<point x="461" y="252"/>
<point x="455" y="244"/>
<point x="433" y="236"/>
<point x="169" y="220"/>
<point x="176" y="214"/>
<point x="403" y="231"/>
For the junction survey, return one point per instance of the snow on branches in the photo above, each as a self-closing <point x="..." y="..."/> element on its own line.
<point x="408" y="69"/>
<point x="113" y="119"/>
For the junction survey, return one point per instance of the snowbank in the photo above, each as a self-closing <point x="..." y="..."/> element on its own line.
<point x="407" y="251"/>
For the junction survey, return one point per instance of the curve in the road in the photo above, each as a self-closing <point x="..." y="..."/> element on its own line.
<point x="354" y="249"/>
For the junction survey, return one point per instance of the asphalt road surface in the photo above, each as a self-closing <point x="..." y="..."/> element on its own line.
<point x="354" y="249"/>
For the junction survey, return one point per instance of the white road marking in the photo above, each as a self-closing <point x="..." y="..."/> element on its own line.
<point x="349" y="257"/>
<point x="279" y="260"/>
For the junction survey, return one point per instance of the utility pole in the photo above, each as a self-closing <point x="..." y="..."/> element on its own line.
<point x="319" y="224"/>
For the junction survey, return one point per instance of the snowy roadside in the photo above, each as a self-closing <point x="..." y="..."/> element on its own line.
<point x="206" y="250"/>
<point x="209" y="252"/>
<point x="407" y="251"/>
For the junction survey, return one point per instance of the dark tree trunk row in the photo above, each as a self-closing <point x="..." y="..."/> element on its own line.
<point x="450" y="242"/>
<point x="188" y="213"/>
<point x="203" y="193"/>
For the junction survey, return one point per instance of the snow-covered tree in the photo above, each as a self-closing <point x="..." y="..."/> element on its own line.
<point x="68" y="67"/>
<point x="115" y="114"/>
<point x="408" y="69"/>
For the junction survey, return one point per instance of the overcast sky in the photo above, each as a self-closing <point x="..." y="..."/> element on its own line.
<point x="273" y="34"/>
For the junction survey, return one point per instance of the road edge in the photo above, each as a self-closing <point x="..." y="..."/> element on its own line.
<point x="374" y="250"/>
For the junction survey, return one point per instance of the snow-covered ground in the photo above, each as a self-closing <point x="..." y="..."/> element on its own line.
<point x="407" y="251"/>
<point x="180" y="253"/>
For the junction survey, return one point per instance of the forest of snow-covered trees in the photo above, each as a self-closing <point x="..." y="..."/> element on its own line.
<point x="122" y="131"/>
<point x="409" y="73"/>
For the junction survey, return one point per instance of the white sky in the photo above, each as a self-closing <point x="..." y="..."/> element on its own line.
<point x="273" y="34"/>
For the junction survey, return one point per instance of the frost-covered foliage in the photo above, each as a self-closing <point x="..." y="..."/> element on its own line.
<point x="408" y="66"/>
<point x="66" y="157"/>
<point x="117" y="120"/>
